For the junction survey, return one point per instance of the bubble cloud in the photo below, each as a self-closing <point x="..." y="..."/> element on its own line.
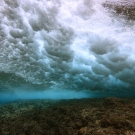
<point x="67" y="44"/>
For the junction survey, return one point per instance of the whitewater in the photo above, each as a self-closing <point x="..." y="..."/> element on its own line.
<point x="48" y="47"/>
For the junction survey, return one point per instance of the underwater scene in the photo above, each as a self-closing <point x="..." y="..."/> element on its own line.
<point x="67" y="67"/>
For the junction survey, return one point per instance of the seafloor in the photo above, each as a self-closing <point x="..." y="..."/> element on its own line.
<point x="109" y="116"/>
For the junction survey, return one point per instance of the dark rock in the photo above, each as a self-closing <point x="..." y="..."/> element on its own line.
<point x="124" y="8"/>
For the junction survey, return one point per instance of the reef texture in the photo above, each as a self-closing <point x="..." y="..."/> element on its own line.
<point x="125" y="8"/>
<point x="110" y="116"/>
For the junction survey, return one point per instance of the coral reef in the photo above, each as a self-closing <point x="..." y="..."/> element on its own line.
<point x="110" y="116"/>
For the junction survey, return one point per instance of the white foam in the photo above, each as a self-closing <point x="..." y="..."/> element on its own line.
<point x="68" y="44"/>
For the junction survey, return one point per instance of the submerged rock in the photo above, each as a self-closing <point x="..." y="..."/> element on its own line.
<point x="125" y="8"/>
<point x="110" y="116"/>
